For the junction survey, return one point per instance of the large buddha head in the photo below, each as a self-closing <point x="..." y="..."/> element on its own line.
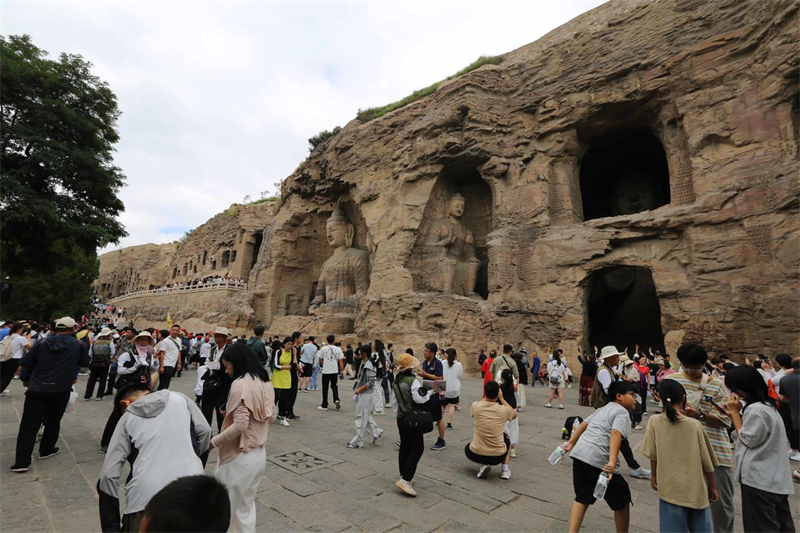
<point x="456" y="205"/>
<point x="634" y="191"/>
<point x="339" y="231"/>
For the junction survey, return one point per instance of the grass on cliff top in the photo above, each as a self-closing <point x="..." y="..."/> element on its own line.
<point x="376" y="112"/>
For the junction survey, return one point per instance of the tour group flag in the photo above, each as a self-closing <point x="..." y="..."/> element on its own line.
<point x="169" y="321"/>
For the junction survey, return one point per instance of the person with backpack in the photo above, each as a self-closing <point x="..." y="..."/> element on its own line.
<point x="364" y="396"/>
<point x="11" y="352"/>
<point x="556" y="377"/>
<point x="504" y="361"/>
<point x="412" y="422"/>
<point x="682" y="462"/>
<point x="101" y="354"/>
<point x="762" y="453"/>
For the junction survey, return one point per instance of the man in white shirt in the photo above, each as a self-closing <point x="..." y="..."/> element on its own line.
<point x="307" y="355"/>
<point x="168" y="352"/>
<point x="332" y="360"/>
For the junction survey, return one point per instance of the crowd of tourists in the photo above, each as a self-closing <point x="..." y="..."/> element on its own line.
<point x="198" y="283"/>
<point x="714" y="423"/>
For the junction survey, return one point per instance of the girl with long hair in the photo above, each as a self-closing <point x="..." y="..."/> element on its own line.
<point x="556" y="376"/>
<point x="679" y="444"/>
<point x="509" y="389"/>
<point x="452" y="376"/>
<point x="381" y="362"/>
<point x="762" y="453"/>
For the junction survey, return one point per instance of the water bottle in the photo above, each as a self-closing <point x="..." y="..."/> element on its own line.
<point x="602" y="485"/>
<point x="556" y="456"/>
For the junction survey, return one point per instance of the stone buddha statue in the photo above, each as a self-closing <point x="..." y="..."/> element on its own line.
<point x="449" y="259"/>
<point x="634" y="192"/>
<point x="345" y="275"/>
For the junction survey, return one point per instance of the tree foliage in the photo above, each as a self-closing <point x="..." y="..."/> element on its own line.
<point x="321" y="137"/>
<point x="58" y="201"/>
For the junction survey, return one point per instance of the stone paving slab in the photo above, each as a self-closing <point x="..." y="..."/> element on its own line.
<point x="346" y="490"/>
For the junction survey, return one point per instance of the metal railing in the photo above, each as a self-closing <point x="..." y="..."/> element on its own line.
<point x="200" y="287"/>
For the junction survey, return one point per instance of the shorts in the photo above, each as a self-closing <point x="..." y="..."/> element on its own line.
<point x="490" y="460"/>
<point x="450" y="401"/>
<point x="584" y="478"/>
<point x="555" y="386"/>
<point x="308" y="370"/>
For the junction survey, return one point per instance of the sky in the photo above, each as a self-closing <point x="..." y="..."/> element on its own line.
<point x="218" y="99"/>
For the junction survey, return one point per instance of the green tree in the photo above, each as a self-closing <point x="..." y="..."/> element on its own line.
<point x="58" y="202"/>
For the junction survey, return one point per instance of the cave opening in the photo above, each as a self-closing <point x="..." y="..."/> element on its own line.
<point x="623" y="309"/>
<point x="623" y="173"/>
<point x="256" y="248"/>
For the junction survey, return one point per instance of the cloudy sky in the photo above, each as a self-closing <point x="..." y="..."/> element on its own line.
<point x="218" y="99"/>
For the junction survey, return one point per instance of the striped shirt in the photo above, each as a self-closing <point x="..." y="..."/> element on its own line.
<point x="718" y="436"/>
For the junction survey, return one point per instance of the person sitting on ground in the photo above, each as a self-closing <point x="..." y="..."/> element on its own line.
<point x="189" y="504"/>
<point x="595" y="447"/>
<point x="162" y="434"/>
<point x="490" y="444"/>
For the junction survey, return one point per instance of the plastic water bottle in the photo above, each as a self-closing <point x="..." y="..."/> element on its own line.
<point x="602" y="485"/>
<point x="556" y="456"/>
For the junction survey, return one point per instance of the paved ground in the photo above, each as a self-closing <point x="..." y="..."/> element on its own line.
<point x="327" y="487"/>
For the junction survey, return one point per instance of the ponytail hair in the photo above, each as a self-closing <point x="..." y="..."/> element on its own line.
<point x="451" y="356"/>
<point x="507" y="377"/>
<point x="672" y="394"/>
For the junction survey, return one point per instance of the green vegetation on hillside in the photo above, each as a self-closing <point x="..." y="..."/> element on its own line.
<point x="375" y="112"/>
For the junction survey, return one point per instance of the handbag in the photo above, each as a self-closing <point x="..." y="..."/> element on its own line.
<point x="212" y="381"/>
<point x="418" y="421"/>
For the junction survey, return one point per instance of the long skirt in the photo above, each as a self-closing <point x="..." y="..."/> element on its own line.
<point x="585" y="391"/>
<point x="242" y="477"/>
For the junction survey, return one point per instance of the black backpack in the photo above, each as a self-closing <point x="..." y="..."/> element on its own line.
<point x="569" y="424"/>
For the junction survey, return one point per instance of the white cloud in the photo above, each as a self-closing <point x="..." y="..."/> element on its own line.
<point x="218" y="99"/>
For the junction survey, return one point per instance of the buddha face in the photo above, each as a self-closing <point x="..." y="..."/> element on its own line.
<point x="634" y="193"/>
<point x="336" y="232"/>
<point x="456" y="207"/>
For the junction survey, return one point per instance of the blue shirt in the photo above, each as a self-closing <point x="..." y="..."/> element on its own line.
<point x="435" y="367"/>
<point x="4" y="333"/>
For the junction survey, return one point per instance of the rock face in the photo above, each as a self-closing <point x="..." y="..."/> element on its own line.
<point x="630" y="178"/>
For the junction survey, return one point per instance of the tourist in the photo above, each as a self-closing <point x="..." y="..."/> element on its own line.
<point x="297" y="370"/>
<point x="383" y="368"/>
<point x="588" y="371"/>
<point x="185" y="346"/>
<point x="664" y="369"/>
<point x="162" y="435"/>
<point x="332" y="360"/>
<point x="509" y="389"/>
<point x="6" y="329"/>
<point x="790" y="397"/>
<point x="348" y="363"/>
<point x="490" y="444"/>
<point x="408" y="393"/>
<point x="685" y="482"/>
<point x="242" y="456"/>
<point x="486" y="367"/>
<point x="556" y="371"/>
<point x="213" y="383"/>
<point x="307" y="354"/>
<point x="17" y="344"/>
<point x="595" y="446"/>
<point x="256" y="343"/>
<point x="785" y="408"/>
<point x="433" y="370"/>
<point x="520" y="359"/>
<point x="640" y="362"/>
<point x="504" y="361"/>
<point x="609" y="359"/>
<point x="168" y="352"/>
<point x="205" y="350"/>
<point x="137" y="365"/>
<point x="198" y="503"/>
<point x="363" y="390"/>
<point x="481" y="358"/>
<point x="452" y="375"/>
<point x="48" y="371"/>
<point x="100" y="355"/>
<point x="630" y="373"/>
<point x="762" y="459"/>
<point x="283" y="365"/>
<point x="536" y="367"/>
<point x="700" y="388"/>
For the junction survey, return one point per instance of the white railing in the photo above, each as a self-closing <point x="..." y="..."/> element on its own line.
<point x="200" y="287"/>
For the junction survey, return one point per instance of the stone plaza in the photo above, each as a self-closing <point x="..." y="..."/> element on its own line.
<point x="314" y="483"/>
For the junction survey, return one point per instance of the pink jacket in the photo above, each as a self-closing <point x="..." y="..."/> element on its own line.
<point x="250" y="408"/>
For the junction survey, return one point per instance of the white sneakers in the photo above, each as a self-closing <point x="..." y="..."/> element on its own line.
<point x="284" y="422"/>
<point x="505" y="474"/>
<point x="561" y="406"/>
<point x="640" y="473"/>
<point x="483" y="473"/>
<point x="513" y="453"/>
<point x="406" y="487"/>
<point x="794" y="455"/>
<point x="548" y="405"/>
<point x="322" y="408"/>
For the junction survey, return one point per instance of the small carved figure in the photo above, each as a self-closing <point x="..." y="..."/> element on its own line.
<point x="345" y="275"/>
<point x="449" y="257"/>
<point x="634" y="192"/>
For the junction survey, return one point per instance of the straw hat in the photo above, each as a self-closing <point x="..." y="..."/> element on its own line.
<point x="624" y="360"/>
<point x="608" y="351"/>
<point x="406" y="361"/>
<point x="144" y="334"/>
<point x="222" y="331"/>
<point x="105" y="332"/>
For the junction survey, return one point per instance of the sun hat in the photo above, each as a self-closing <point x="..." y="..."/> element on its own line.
<point x="105" y="332"/>
<point x="624" y="360"/>
<point x="608" y="351"/>
<point x="65" y="323"/>
<point x="220" y="330"/>
<point x="406" y="361"/>
<point x="145" y="334"/>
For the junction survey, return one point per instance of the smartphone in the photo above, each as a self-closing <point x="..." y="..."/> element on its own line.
<point x="710" y="399"/>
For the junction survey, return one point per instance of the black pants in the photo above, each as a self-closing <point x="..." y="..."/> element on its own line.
<point x="208" y="404"/>
<point x="411" y="447"/>
<point x="793" y="433"/>
<point x="643" y="394"/>
<point x="292" y="394"/>
<point x="112" y="379"/>
<point x="166" y="377"/>
<point x="47" y="406"/>
<point x="111" y="425"/>
<point x="627" y="453"/>
<point x="333" y="381"/>
<point x="7" y="371"/>
<point x="282" y="397"/>
<point x="96" y="374"/>
<point x="766" y="512"/>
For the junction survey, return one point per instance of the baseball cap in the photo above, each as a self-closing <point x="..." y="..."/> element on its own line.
<point x="65" y="323"/>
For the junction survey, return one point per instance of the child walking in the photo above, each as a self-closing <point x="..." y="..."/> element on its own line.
<point x="595" y="449"/>
<point x="685" y="482"/>
<point x="762" y="453"/>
